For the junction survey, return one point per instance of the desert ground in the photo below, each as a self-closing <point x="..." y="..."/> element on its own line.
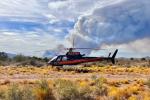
<point x="75" y="83"/>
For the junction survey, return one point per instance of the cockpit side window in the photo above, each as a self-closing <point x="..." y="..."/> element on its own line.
<point x="59" y="58"/>
<point x="64" y="58"/>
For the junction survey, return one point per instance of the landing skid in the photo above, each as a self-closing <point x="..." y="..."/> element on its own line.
<point x="72" y="66"/>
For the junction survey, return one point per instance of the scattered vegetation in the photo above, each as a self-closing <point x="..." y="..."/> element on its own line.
<point x="2" y="94"/>
<point x="18" y="60"/>
<point x="100" y="89"/>
<point x="43" y="91"/>
<point x="92" y="87"/>
<point x="148" y="83"/>
<point x="14" y="93"/>
<point x="66" y="90"/>
<point x="21" y="60"/>
<point x="3" y="56"/>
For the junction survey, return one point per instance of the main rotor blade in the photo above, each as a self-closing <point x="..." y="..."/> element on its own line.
<point x="85" y="48"/>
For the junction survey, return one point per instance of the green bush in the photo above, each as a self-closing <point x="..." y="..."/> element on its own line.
<point x="14" y="93"/>
<point x="20" y="58"/>
<point x="36" y="63"/>
<point x="148" y="83"/>
<point x="43" y="91"/>
<point x="94" y="77"/>
<point x="66" y="90"/>
<point x="85" y="93"/>
<point x="100" y="89"/>
<point x="27" y="93"/>
<point x="3" y="56"/>
<point x="2" y="95"/>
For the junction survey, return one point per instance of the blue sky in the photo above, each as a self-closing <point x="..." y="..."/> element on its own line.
<point x="27" y="26"/>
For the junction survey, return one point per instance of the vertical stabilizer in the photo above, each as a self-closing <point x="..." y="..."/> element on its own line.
<point x="113" y="57"/>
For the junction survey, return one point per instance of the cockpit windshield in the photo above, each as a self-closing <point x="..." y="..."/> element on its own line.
<point x="53" y="58"/>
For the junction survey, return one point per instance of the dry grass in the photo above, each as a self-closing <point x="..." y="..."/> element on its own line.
<point x="43" y="91"/>
<point x="100" y="83"/>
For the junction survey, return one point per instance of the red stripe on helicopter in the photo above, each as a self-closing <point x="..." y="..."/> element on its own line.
<point x="80" y="61"/>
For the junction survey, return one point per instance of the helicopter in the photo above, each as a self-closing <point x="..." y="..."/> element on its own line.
<point x="75" y="58"/>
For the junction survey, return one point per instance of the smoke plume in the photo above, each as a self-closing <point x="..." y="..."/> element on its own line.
<point x="115" y="24"/>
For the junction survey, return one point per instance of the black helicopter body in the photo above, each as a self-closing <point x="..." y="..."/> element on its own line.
<point x="74" y="58"/>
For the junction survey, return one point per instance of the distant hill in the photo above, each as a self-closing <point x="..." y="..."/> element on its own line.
<point x="147" y="57"/>
<point x="10" y="55"/>
<point x="49" y="54"/>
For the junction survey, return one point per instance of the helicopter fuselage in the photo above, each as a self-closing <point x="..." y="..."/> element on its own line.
<point x="61" y="62"/>
<point x="74" y="58"/>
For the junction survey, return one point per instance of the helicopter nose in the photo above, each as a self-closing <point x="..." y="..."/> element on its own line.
<point x="50" y="62"/>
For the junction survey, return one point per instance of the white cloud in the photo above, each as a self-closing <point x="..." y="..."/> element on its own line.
<point x="23" y="10"/>
<point x="28" y="43"/>
<point x="138" y="48"/>
<point x="8" y="33"/>
<point x="24" y="27"/>
<point x="118" y="22"/>
<point x="72" y="9"/>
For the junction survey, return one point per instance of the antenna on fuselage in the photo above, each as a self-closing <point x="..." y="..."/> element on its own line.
<point x="73" y="45"/>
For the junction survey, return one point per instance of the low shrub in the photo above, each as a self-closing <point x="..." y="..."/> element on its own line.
<point x="100" y="89"/>
<point x="148" y="83"/>
<point x="14" y="93"/>
<point x="43" y="91"/>
<point x="66" y="90"/>
<point x="28" y="93"/>
<point x="2" y="94"/>
<point x="85" y="91"/>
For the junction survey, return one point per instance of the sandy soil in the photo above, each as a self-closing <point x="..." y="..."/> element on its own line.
<point x="55" y="75"/>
